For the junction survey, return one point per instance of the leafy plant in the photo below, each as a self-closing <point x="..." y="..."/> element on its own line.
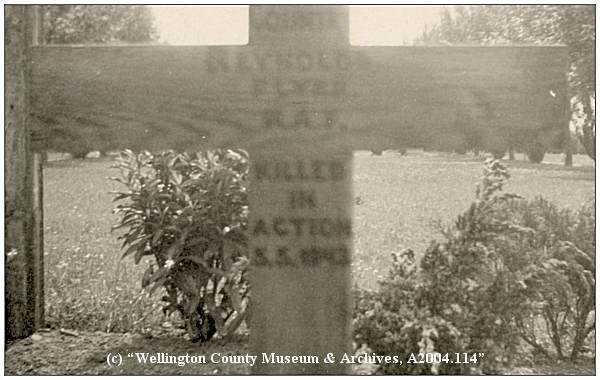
<point x="391" y="321"/>
<point x="508" y="270"/>
<point x="472" y="279"/>
<point x="189" y="212"/>
<point x="562" y="282"/>
<point x="536" y="151"/>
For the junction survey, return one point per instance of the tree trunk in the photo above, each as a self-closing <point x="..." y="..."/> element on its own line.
<point x="588" y="135"/>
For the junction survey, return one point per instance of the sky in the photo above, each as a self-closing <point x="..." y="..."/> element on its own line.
<point x="228" y="25"/>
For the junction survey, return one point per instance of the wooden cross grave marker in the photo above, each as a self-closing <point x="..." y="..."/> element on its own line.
<point x="299" y="98"/>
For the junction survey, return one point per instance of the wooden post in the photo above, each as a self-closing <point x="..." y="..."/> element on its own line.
<point x="300" y="248"/>
<point x="38" y="238"/>
<point x="18" y="177"/>
<point x="300" y="202"/>
<point x="37" y="170"/>
<point x="24" y="238"/>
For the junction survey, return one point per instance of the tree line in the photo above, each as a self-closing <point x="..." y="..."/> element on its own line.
<point x="570" y="25"/>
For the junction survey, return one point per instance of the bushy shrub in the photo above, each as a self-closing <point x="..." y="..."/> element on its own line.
<point x="505" y="267"/>
<point x="390" y="321"/>
<point x="561" y="282"/>
<point x="189" y="213"/>
<point x="536" y="151"/>
<point x="463" y="295"/>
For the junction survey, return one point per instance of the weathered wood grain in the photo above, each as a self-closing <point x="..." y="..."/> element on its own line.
<point x="197" y="97"/>
<point x="300" y="247"/>
<point x="20" y="296"/>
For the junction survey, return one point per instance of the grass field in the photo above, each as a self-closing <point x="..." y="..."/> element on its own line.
<point x="89" y="287"/>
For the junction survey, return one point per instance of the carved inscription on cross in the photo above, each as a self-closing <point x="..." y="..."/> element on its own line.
<point x="299" y="98"/>
<point x="300" y="225"/>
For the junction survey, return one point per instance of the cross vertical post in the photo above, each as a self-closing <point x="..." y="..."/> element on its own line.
<point x="300" y="196"/>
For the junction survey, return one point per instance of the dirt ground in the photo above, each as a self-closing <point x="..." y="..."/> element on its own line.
<point x="56" y="353"/>
<point x="65" y="352"/>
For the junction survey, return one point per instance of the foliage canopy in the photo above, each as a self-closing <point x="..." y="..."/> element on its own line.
<point x="78" y="24"/>
<point x="571" y="25"/>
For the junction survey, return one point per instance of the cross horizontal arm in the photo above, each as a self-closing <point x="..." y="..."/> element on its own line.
<point x="354" y="97"/>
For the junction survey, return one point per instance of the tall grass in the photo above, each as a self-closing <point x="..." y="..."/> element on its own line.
<point x="88" y="286"/>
